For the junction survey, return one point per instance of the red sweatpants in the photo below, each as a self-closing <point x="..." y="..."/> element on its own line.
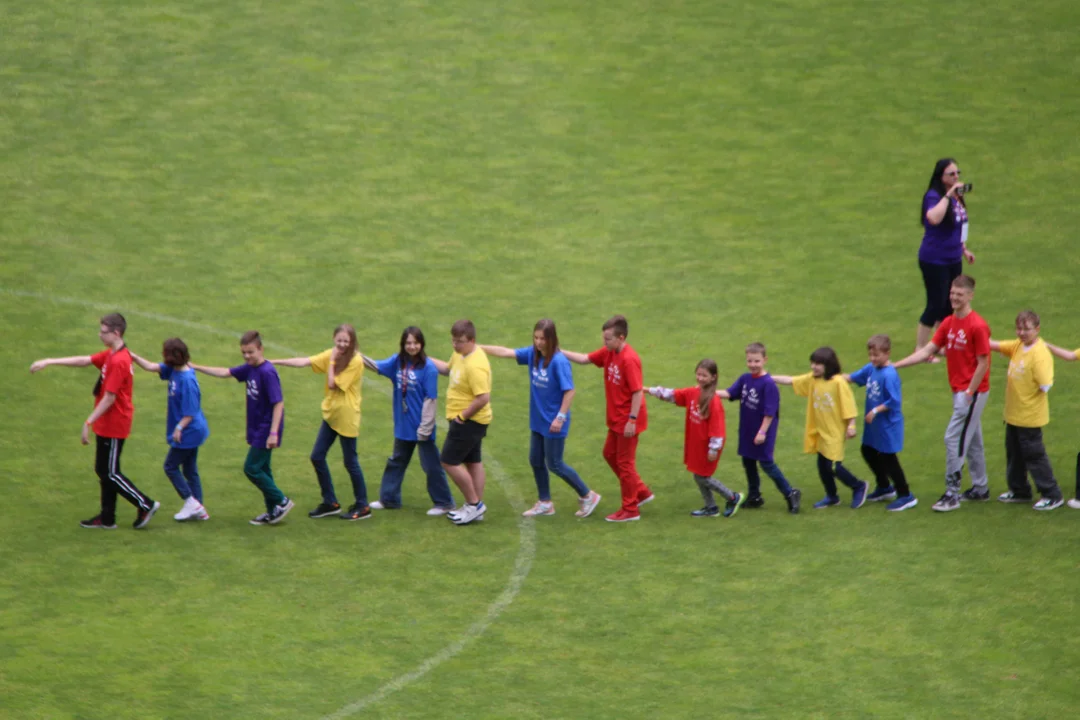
<point x="621" y="454"/>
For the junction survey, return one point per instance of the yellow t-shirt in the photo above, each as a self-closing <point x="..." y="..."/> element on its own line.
<point x="1025" y="404"/>
<point x="470" y="375"/>
<point x="828" y="410"/>
<point x="341" y="405"/>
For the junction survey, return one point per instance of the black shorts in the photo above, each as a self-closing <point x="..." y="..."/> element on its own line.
<point x="938" y="281"/>
<point x="462" y="444"/>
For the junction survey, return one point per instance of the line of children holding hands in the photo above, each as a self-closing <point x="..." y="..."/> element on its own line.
<point x="830" y="419"/>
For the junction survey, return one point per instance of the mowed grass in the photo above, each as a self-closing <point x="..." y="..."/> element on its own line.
<point x="720" y="172"/>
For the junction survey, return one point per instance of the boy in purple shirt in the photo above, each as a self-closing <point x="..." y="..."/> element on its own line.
<point x="759" y="412"/>
<point x="265" y="422"/>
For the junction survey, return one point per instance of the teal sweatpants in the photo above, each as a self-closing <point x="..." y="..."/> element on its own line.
<point x="257" y="469"/>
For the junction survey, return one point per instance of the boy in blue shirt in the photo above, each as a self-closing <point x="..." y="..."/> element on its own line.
<point x="883" y="434"/>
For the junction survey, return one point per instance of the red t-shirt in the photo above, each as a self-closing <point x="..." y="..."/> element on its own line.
<point x="699" y="430"/>
<point x="622" y="378"/>
<point x="117" y="377"/>
<point x="964" y="341"/>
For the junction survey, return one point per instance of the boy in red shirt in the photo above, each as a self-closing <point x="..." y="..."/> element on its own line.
<point x="965" y="337"/>
<point x="626" y="414"/>
<point x="110" y="421"/>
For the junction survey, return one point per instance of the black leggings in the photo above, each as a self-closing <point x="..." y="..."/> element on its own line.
<point x="886" y="466"/>
<point x="938" y="279"/>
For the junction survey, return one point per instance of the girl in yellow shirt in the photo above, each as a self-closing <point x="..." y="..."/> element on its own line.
<point x="830" y="407"/>
<point x="344" y="370"/>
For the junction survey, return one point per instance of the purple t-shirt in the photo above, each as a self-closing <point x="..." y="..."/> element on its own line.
<point x="942" y="244"/>
<point x="263" y="392"/>
<point x="758" y="398"/>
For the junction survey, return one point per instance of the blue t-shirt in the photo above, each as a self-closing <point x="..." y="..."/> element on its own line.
<point x="414" y="385"/>
<point x="758" y="398"/>
<point x="886" y="433"/>
<point x="547" y="385"/>
<point x="184" y="401"/>
<point x="263" y="392"/>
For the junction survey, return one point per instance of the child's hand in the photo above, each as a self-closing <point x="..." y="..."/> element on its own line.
<point x="870" y="417"/>
<point x="713" y="455"/>
<point x="85" y="434"/>
<point x="759" y="439"/>
<point x="177" y="433"/>
<point x="851" y="431"/>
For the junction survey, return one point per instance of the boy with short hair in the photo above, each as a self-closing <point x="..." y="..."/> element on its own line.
<point x="265" y="422"/>
<point x="965" y="337"/>
<point x="759" y="415"/>
<point x="627" y="416"/>
<point x="883" y="433"/>
<point x="111" y="422"/>
<point x="1027" y="410"/>
<point x="468" y="413"/>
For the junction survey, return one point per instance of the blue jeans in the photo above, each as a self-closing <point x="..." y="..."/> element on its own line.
<point x="394" y="474"/>
<point x="828" y="471"/>
<point x="546" y="453"/>
<point x="187" y="484"/>
<point x="753" y="480"/>
<point x="327" y="436"/>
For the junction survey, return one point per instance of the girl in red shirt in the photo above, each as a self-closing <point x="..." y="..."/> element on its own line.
<point x="704" y="437"/>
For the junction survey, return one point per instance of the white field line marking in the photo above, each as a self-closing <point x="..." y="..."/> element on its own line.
<point x="526" y="526"/>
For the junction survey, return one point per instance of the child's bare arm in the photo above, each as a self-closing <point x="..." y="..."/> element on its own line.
<point x="219" y="372"/>
<point x="576" y="357"/>
<point x="73" y="361"/>
<point x="442" y="367"/>
<point x="783" y="379"/>
<point x="498" y="351"/>
<point x="1062" y="353"/>
<point x="299" y="362"/>
<point x="145" y="364"/>
<point x="663" y="393"/>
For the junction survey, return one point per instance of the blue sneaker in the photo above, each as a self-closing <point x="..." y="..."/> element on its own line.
<point x="902" y="503"/>
<point x="879" y="494"/>
<point x="826" y="502"/>
<point x="859" y="496"/>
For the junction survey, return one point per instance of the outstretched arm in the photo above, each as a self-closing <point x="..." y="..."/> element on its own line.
<point x="212" y="371"/>
<point x="73" y="361"/>
<point x="498" y="351"/>
<point x="442" y="367"/>
<point x="576" y="357"/>
<point x="300" y="362"/>
<point x="369" y="363"/>
<point x="995" y="345"/>
<point x="1062" y="353"/>
<point x="145" y="364"/>
<point x="923" y="354"/>
<point x="661" y="392"/>
<point x="783" y="379"/>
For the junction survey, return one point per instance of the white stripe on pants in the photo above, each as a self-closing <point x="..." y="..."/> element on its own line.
<point x="964" y="439"/>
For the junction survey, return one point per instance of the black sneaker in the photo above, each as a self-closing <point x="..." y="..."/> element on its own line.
<point x="793" y="501"/>
<point x="357" y="512"/>
<point x="95" y="523"/>
<point x="706" y="512"/>
<point x="947" y="503"/>
<point x="754" y="501"/>
<point x="734" y="504"/>
<point x="973" y="495"/>
<point x="324" y="510"/>
<point x="280" y="511"/>
<point x="143" y="518"/>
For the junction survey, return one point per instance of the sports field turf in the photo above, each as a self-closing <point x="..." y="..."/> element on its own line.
<point x="720" y="172"/>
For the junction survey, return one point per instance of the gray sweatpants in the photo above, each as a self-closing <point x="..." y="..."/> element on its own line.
<point x="707" y="484"/>
<point x="964" y="439"/>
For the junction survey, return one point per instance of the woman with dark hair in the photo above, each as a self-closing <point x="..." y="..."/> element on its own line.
<point x="550" y="393"/>
<point x="416" y="388"/>
<point x="944" y="217"/>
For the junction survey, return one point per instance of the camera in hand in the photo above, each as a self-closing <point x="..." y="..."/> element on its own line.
<point x="963" y="189"/>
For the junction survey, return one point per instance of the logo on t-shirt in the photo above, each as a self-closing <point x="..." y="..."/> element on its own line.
<point x="172" y="388"/>
<point x="540" y="376"/>
<point x="614" y="376"/>
<point x="1016" y="369"/>
<point x="750" y="398"/>
<point x="408" y="379"/>
<point x="957" y="340"/>
<point x="873" y="390"/>
<point x="253" y="389"/>
<point x="695" y="413"/>
<point x="823" y="402"/>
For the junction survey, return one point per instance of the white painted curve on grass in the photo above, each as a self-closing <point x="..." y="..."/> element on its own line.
<point x="526" y="526"/>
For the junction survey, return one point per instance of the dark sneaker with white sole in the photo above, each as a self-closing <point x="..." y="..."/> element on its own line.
<point x="142" y="519"/>
<point x="734" y="504"/>
<point x="280" y="511"/>
<point x="357" y="512"/>
<point x="95" y="523"/>
<point x="706" y="512"/>
<point x="325" y="510"/>
<point x="947" y="503"/>
<point x="973" y="495"/>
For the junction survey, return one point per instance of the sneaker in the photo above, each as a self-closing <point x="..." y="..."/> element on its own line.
<point x="541" y="507"/>
<point x="191" y="509"/>
<point x="826" y="502"/>
<point x="280" y="511"/>
<point x="588" y="504"/>
<point x="1048" y="504"/>
<point x="1011" y="497"/>
<point x="470" y="513"/>
<point x="142" y="519"/>
<point x="325" y="510"/>
<point x="973" y="495"/>
<point x="754" y="501"/>
<point x="858" y="496"/>
<point x="647" y="500"/>
<point x="433" y="512"/>
<point x="880" y="494"/>
<point x="95" y="523"/>
<point x="263" y="519"/>
<point x="377" y="505"/>
<point x="902" y="503"/>
<point x="203" y="515"/>
<point x="357" y="512"/>
<point x="624" y="516"/>
<point x="947" y="503"/>
<point x="793" y="501"/>
<point x="705" y="512"/>
<point x="1074" y="503"/>
<point x="734" y="504"/>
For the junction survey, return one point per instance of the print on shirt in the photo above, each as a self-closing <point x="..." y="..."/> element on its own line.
<point x="1016" y="369"/>
<point x="750" y="398"/>
<point x="957" y="339"/>
<point x="823" y="402"/>
<point x="252" y="389"/>
<point x="874" y="392"/>
<point x="613" y="375"/>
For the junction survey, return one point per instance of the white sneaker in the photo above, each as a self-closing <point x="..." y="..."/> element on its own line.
<point x="540" y="508"/>
<point x="191" y="509"/>
<point x="588" y="504"/>
<point x="1048" y="504"/>
<point x="1075" y="503"/>
<point x="203" y="515"/>
<point x="465" y="515"/>
<point x="376" y="505"/>
<point x="435" y="511"/>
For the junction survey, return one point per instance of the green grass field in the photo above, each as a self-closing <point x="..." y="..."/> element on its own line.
<point x="720" y="172"/>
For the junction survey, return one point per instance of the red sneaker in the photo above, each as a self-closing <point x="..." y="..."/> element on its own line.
<point x="623" y="516"/>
